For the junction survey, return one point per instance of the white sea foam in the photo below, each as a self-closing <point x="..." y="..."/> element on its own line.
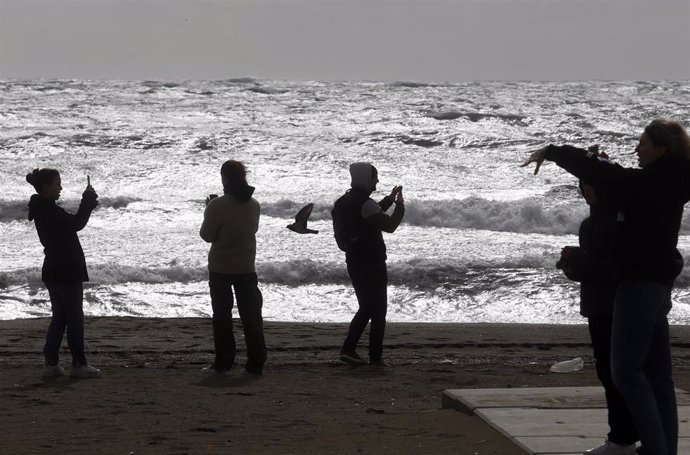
<point x="480" y="234"/>
<point x="417" y="273"/>
<point x="19" y="210"/>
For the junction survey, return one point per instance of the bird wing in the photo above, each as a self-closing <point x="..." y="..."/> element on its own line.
<point x="303" y="215"/>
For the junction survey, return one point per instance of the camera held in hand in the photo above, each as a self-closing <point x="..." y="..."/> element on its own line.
<point x="210" y="197"/>
<point x="568" y="254"/>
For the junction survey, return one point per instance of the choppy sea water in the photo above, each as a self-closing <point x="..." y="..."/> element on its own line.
<point x="479" y="240"/>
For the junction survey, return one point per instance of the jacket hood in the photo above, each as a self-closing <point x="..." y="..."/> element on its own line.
<point x="242" y="192"/>
<point x="36" y="204"/>
<point x="361" y="174"/>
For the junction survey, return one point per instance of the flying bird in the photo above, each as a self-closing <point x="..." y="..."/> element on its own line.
<point x="301" y="219"/>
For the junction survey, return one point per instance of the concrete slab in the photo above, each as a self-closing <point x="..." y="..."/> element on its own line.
<point x="551" y="421"/>
<point x="549" y="397"/>
<point x="557" y="445"/>
<point x="683" y="447"/>
<point x="533" y="397"/>
<point x="546" y="422"/>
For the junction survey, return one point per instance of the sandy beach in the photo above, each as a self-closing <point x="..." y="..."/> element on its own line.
<point x="153" y="397"/>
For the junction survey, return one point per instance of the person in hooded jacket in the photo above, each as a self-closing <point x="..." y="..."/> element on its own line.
<point x="230" y="224"/>
<point x="358" y="224"/>
<point x="591" y="264"/>
<point x="64" y="269"/>
<point x="649" y="203"/>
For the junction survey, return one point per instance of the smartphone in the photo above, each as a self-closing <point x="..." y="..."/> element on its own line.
<point x="210" y="197"/>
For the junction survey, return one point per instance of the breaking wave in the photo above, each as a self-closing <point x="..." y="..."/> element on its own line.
<point x="417" y="272"/>
<point x="478" y="116"/>
<point x="19" y="210"/>
<point x="522" y="216"/>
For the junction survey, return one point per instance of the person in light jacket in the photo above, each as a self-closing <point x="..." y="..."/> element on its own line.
<point x="230" y="224"/>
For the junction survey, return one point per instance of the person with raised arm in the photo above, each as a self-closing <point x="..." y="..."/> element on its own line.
<point x="358" y="224"/>
<point x="649" y="203"/>
<point x="64" y="269"/>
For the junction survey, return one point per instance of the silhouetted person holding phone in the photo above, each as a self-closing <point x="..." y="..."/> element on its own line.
<point x="649" y="204"/>
<point x="64" y="269"/>
<point x="230" y="225"/>
<point x="358" y="224"/>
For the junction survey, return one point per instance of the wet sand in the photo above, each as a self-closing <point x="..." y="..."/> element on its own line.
<point x="153" y="397"/>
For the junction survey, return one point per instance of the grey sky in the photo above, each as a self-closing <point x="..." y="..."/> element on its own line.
<point x="422" y="40"/>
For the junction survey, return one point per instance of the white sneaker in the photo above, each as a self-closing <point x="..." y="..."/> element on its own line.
<point x="85" y="371"/>
<point x="611" y="448"/>
<point x="53" y="371"/>
<point x="211" y="370"/>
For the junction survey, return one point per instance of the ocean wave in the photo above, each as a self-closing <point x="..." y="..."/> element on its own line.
<point x="287" y="209"/>
<point x="467" y="274"/>
<point x="19" y="210"/>
<point x="410" y="84"/>
<point x="524" y="216"/>
<point x="418" y="273"/>
<point x="418" y="139"/>
<point x="477" y="116"/>
<point x="56" y="85"/>
<point x="161" y="84"/>
<point x="267" y="90"/>
<point x="521" y="216"/>
<point x="118" y="142"/>
<point x="420" y="142"/>
<point x="239" y="80"/>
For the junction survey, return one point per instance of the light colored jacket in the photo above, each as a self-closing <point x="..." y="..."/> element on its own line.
<point x="230" y="227"/>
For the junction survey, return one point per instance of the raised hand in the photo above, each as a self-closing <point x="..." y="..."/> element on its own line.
<point x="88" y="184"/>
<point x="538" y="156"/>
<point x="399" y="196"/>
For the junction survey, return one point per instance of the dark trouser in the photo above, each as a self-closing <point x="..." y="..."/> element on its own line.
<point x="249" y="303"/>
<point x="622" y="428"/>
<point x="66" y="303"/>
<point x="641" y="363"/>
<point x="370" y="282"/>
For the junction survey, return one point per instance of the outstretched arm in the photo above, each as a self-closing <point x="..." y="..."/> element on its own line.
<point x="89" y="201"/>
<point x="617" y="182"/>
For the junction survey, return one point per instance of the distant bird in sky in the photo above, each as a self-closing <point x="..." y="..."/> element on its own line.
<point x="301" y="219"/>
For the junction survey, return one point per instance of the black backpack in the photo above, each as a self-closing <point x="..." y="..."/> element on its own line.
<point x="345" y="215"/>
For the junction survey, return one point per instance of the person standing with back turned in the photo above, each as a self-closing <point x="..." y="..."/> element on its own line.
<point x="64" y="269"/>
<point x="649" y="203"/>
<point x="358" y="223"/>
<point x="230" y="225"/>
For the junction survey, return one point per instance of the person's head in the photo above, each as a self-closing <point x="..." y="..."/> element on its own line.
<point x="46" y="182"/>
<point x="234" y="174"/>
<point x="365" y="176"/>
<point x="663" y="137"/>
